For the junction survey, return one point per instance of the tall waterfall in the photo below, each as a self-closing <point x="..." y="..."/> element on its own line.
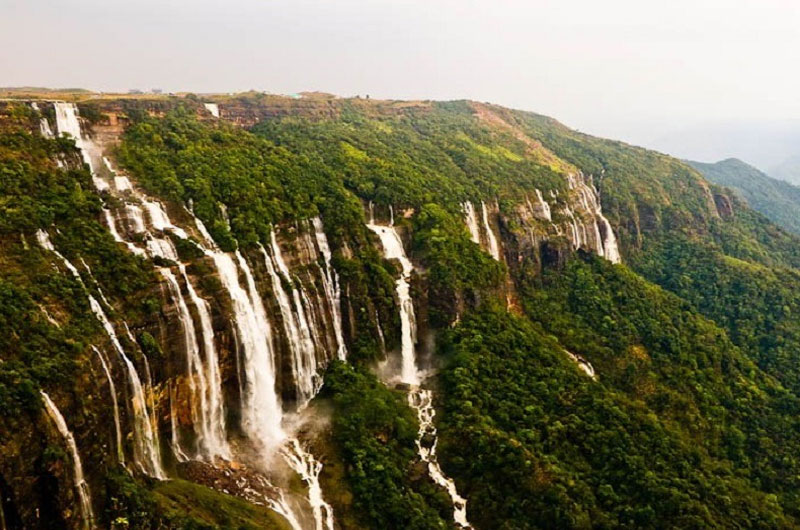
<point x="419" y="399"/>
<point x="146" y="451"/>
<point x="67" y="123"/>
<point x="115" y="405"/>
<point x="214" y="429"/>
<point x="262" y="413"/>
<point x="472" y="222"/>
<point x="330" y="282"/>
<point x="261" y="408"/>
<point x="393" y="249"/>
<point x="81" y="487"/>
<point x="603" y="242"/>
<point x="203" y="375"/>
<point x="210" y="435"/>
<point x="494" y="247"/>
<point x="293" y="314"/>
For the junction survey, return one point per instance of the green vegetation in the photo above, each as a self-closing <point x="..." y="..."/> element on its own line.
<point x="642" y="447"/>
<point x="777" y="200"/>
<point x="691" y="423"/>
<point x="35" y="194"/>
<point x="178" y="504"/>
<point x="376" y="430"/>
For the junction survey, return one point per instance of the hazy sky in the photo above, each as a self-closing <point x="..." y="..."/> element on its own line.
<point x="630" y="69"/>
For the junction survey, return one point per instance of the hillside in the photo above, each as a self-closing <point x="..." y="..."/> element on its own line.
<point x="325" y="313"/>
<point x="776" y="199"/>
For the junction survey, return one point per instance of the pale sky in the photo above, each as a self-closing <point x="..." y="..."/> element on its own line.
<point x="636" y="70"/>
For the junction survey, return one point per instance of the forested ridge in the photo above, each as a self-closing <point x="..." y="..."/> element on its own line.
<point x="690" y="420"/>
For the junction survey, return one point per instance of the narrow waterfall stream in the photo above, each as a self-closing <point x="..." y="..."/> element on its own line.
<point x="330" y="281"/>
<point x="309" y="469"/>
<point x="146" y="451"/>
<point x="81" y="487"/>
<point x="494" y="247"/>
<point x="393" y="249"/>
<point x="113" y="391"/>
<point x="472" y="222"/>
<point x="419" y="399"/>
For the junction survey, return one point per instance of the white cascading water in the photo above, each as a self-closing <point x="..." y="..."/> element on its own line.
<point x="494" y="247"/>
<point x="175" y="437"/>
<point x="44" y="125"/>
<point x="261" y="409"/>
<point x="419" y="399"/>
<point x="422" y="401"/>
<point x="215" y="439"/>
<point x="588" y="197"/>
<point x="544" y="207"/>
<point x="213" y="108"/>
<point x="203" y="377"/>
<point x="146" y="451"/>
<point x="67" y="123"/>
<point x="472" y="222"/>
<point x="330" y="282"/>
<point x="210" y="440"/>
<point x="585" y="366"/>
<point x="113" y="391"/>
<point x="81" y="487"/>
<point x="309" y="469"/>
<point x="393" y="249"/>
<point x="301" y="342"/>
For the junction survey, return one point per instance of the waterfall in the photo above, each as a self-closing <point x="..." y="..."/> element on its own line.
<point x="585" y="366"/>
<point x="545" y="208"/>
<point x="210" y="440"/>
<point x="81" y="486"/>
<point x="213" y="108"/>
<point x="330" y="283"/>
<point x="304" y="464"/>
<point x="113" y="391"/>
<point x="44" y="125"/>
<point x="422" y="401"/>
<point x="301" y="343"/>
<point x="588" y="197"/>
<point x="146" y="451"/>
<point x="393" y="249"/>
<point x="203" y="375"/>
<point x="610" y="242"/>
<point x="67" y="123"/>
<point x="494" y="247"/>
<point x="216" y="443"/>
<point x="175" y="438"/>
<point x="472" y="222"/>
<point x="261" y="408"/>
<point x="418" y="398"/>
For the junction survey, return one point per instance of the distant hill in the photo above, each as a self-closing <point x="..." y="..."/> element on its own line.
<point x="788" y="170"/>
<point x="778" y="200"/>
